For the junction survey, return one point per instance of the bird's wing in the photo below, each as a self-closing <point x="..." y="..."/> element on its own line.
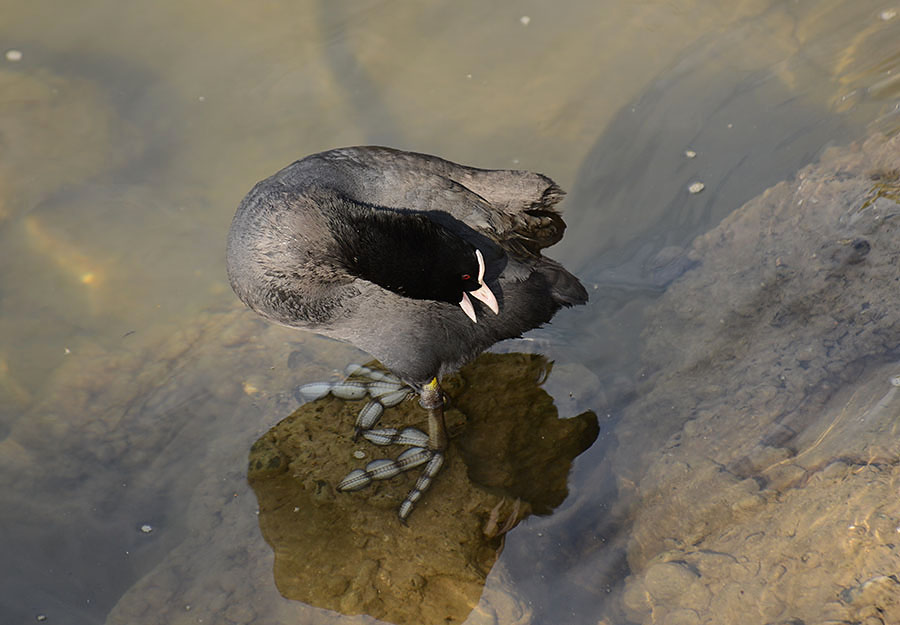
<point x="514" y="208"/>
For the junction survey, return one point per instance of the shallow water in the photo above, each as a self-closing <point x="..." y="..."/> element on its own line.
<point x="133" y="384"/>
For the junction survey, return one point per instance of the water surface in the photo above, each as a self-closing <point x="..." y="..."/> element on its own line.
<point x="133" y="384"/>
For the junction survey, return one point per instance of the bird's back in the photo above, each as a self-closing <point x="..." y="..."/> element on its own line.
<point x="281" y="254"/>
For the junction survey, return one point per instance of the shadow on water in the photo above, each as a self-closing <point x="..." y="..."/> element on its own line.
<point x="349" y="553"/>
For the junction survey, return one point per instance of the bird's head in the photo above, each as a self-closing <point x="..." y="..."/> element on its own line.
<point x="473" y="284"/>
<point x="417" y="258"/>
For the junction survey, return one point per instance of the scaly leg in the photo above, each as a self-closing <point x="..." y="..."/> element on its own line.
<point x="431" y="399"/>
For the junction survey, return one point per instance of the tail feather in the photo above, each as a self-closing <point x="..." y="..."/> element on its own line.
<point x="565" y="288"/>
<point x="551" y="196"/>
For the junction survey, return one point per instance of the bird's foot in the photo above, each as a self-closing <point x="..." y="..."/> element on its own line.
<point x="385" y="468"/>
<point x="384" y="391"/>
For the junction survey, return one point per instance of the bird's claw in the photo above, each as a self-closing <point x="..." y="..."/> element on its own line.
<point x="422" y="484"/>
<point x="392" y="436"/>
<point x="384" y="391"/>
<point x="385" y="468"/>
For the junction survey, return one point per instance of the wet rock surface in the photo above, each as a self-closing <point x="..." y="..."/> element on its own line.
<point x="349" y="553"/>
<point x="762" y="458"/>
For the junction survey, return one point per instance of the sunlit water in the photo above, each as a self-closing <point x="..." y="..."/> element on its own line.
<point x="132" y="383"/>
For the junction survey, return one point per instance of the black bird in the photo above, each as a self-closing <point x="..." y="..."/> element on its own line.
<point x="387" y="250"/>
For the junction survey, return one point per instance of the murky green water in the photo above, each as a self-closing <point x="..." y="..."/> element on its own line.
<point x="133" y="384"/>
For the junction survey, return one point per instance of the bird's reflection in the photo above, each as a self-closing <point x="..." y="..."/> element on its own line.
<point x="510" y="457"/>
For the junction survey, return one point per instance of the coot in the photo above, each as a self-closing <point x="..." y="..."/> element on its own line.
<point x="421" y="262"/>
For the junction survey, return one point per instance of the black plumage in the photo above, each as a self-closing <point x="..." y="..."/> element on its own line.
<point x="367" y="245"/>
<point x="386" y="250"/>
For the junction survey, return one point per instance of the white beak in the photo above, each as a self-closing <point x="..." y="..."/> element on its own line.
<point x="482" y="294"/>
<point x="466" y="304"/>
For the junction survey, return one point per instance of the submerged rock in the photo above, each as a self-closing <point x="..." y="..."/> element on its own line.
<point x="763" y="452"/>
<point x="349" y="553"/>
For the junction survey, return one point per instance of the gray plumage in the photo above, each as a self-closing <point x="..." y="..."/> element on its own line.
<point x="300" y="237"/>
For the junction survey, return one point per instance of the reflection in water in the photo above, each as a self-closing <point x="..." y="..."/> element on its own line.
<point x="510" y="457"/>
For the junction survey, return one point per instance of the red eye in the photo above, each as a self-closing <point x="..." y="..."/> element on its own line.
<point x="466" y="276"/>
